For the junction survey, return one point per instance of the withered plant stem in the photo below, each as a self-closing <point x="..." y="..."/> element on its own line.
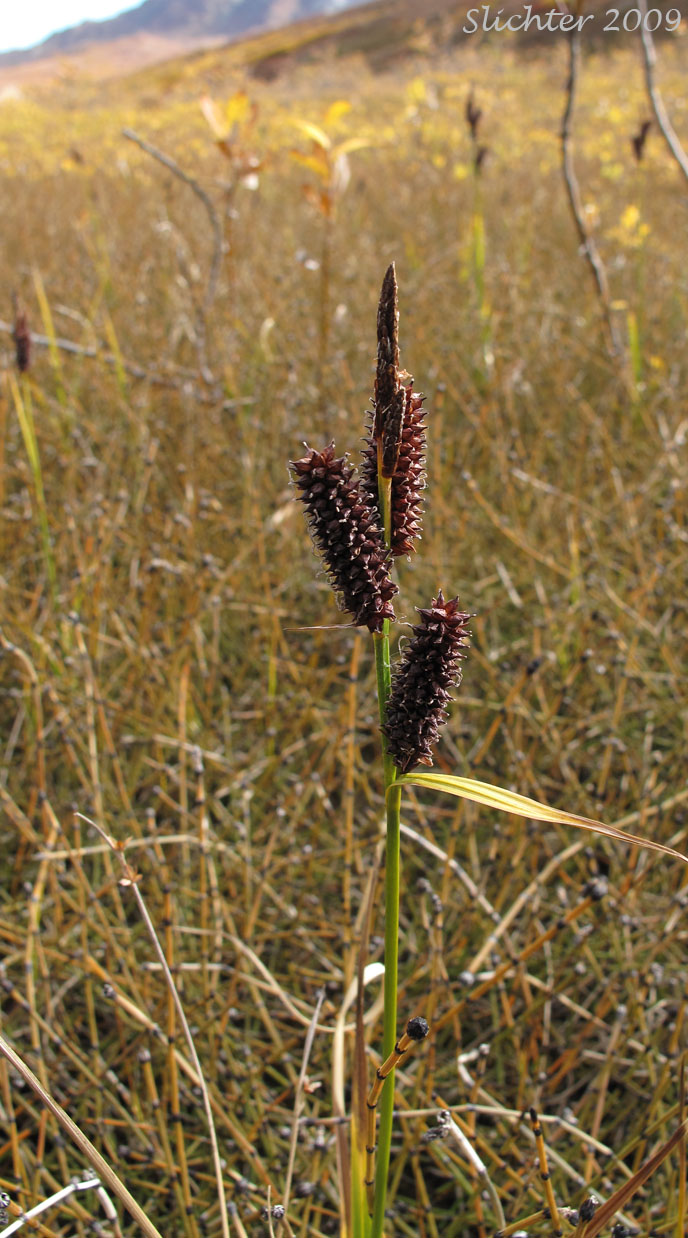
<point x="84" y="1144"/>
<point x="173" y="167"/>
<point x="661" y="115"/>
<point x="585" y="237"/>
<point x="131" y="880"/>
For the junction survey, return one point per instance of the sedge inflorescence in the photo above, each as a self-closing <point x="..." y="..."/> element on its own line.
<point x="348" y="535"/>
<point x="362" y="520"/>
<point x="395" y="442"/>
<point x="422" y="684"/>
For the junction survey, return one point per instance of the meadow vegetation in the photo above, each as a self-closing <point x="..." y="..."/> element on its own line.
<point x="175" y="669"/>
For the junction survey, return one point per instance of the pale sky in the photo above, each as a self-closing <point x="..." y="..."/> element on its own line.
<point x="23" y="24"/>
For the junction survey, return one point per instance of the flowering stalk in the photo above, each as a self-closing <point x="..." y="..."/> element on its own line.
<point x="359" y="523"/>
<point x="392" y="477"/>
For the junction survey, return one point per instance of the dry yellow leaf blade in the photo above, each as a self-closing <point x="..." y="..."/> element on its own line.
<point x="522" y="806"/>
<point x="313" y="131"/>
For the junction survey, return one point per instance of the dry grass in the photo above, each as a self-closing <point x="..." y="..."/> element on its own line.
<point x="178" y="691"/>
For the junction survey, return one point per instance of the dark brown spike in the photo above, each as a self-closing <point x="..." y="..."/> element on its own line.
<point x="21" y="336"/>
<point x="408" y="482"/>
<point x="639" y="139"/>
<point x="347" y="534"/>
<point x="392" y="431"/>
<point x="473" y="116"/>
<point x="387" y="374"/>
<point x="422" y="683"/>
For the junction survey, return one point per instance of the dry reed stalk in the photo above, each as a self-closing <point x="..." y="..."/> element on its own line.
<point x="214" y="895"/>
<point x="92" y="696"/>
<point x="130" y="880"/>
<point x="587" y="242"/>
<point x="208" y="205"/>
<point x="298" y="1102"/>
<point x="203" y="897"/>
<point x="179" y="379"/>
<point x="50" y="829"/>
<point x="533" y="948"/>
<point x="157" y="1106"/>
<point x="101" y="1166"/>
<point x="349" y="777"/>
<point x="183" y="750"/>
<point x="661" y="115"/>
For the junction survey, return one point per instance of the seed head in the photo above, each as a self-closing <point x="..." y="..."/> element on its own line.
<point x="387" y="374"/>
<point x="417" y="1028"/>
<point x="22" y="339"/>
<point x="421" y="686"/>
<point x="473" y="116"/>
<point x="395" y="440"/>
<point x="348" y="536"/>
<point x="479" y="157"/>
<point x="639" y="139"/>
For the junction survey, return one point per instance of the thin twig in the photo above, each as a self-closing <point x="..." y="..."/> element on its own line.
<point x="587" y="242"/>
<point x="172" y="166"/>
<point x="180" y="383"/>
<point x="88" y="1184"/>
<point x="298" y="1100"/>
<point x="665" y="126"/>
<point x="131" y="879"/>
<point x="478" y="1165"/>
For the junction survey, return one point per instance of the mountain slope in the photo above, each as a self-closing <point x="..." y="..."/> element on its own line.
<point x="178" y="20"/>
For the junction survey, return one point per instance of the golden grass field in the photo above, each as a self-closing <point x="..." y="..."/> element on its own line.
<point x="174" y="666"/>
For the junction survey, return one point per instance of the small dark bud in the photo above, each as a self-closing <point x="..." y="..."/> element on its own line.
<point x="480" y="156"/>
<point x="588" y="1208"/>
<point x="597" y="889"/>
<point x="22" y="340"/>
<point x="422" y="683"/>
<point x="639" y="139"/>
<point x="348" y="536"/>
<point x="417" y="1028"/>
<point x="473" y="116"/>
<point x="619" y="1230"/>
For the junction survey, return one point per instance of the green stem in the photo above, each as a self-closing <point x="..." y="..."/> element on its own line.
<point x="392" y="858"/>
<point x="392" y="867"/>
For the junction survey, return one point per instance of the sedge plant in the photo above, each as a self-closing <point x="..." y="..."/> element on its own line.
<point x="362" y="520"/>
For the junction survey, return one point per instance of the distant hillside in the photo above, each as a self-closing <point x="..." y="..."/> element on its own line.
<point x="179" y="21"/>
<point x="270" y="36"/>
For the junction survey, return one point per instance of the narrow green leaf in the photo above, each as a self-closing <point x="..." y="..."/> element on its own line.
<point x="521" y="806"/>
